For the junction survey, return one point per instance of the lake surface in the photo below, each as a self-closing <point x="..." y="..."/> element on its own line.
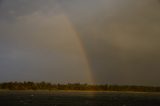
<point x="63" y="98"/>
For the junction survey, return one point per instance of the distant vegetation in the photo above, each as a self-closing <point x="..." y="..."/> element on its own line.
<point x="74" y="86"/>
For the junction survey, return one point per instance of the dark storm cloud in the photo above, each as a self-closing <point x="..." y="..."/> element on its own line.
<point x="11" y="9"/>
<point x="120" y="37"/>
<point x="37" y="45"/>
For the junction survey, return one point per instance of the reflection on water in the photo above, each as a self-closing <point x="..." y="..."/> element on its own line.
<point x="39" y="98"/>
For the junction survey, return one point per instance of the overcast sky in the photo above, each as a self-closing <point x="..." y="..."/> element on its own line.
<point x="61" y="41"/>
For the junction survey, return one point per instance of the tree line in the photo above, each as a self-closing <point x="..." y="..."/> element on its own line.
<point x="74" y="86"/>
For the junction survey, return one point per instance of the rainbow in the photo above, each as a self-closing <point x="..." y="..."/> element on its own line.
<point x="70" y="27"/>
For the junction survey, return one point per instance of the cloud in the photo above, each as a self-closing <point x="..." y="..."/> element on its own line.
<point x="120" y="38"/>
<point x="42" y="46"/>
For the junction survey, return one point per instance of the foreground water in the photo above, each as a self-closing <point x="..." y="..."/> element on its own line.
<point x="63" y="98"/>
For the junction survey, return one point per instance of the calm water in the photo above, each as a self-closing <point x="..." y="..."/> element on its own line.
<point x="31" y="98"/>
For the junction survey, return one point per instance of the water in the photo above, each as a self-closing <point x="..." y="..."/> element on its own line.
<point x="57" y="98"/>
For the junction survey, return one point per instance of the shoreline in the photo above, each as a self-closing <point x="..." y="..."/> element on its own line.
<point x="77" y="91"/>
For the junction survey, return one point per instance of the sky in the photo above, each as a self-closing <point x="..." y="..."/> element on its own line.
<point x="86" y="41"/>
